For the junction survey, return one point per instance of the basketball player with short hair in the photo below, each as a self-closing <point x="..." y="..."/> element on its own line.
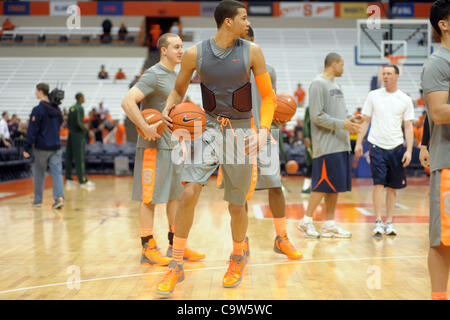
<point x="269" y="177"/>
<point x="157" y="180"/>
<point x="435" y="85"/>
<point x="331" y="167"/>
<point x="387" y="109"/>
<point x="223" y="63"/>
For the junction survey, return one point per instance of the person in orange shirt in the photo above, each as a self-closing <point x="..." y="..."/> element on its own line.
<point x="300" y="95"/>
<point x="155" y="33"/>
<point x="8" y="25"/>
<point x="421" y="101"/>
<point x="121" y="135"/>
<point x="120" y="75"/>
<point x="63" y="133"/>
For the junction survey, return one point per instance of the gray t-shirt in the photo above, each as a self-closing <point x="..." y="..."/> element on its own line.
<point x="327" y="112"/>
<point x="436" y="77"/>
<point x="156" y="84"/>
<point x="256" y="97"/>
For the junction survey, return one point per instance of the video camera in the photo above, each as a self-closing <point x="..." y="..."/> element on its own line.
<point x="56" y="96"/>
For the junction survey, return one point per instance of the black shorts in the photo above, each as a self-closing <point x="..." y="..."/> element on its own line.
<point x="387" y="167"/>
<point x="332" y="173"/>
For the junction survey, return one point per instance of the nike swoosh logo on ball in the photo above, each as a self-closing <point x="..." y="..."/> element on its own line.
<point x="149" y="117"/>
<point x="191" y="119"/>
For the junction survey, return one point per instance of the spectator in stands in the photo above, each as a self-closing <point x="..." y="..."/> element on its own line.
<point x="120" y="75"/>
<point x="8" y="25"/>
<point x="175" y="29"/>
<point x="43" y="137"/>
<point x="121" y="135"/>
<point x="64" y="133"/>
<point x="13" y="126"/>
<point x="76" y="143"/>
<point x="154" y="34"/>
<point x="5" y="137"/>
<point x="357" y="112"/>
<point x="298" y="127"/>
<point x="103" y="74"/>
<point x="122" y="32"/>
<point x="106" y="36"/>
<point x="421" y="101"/>
<point x="300" y="95"/>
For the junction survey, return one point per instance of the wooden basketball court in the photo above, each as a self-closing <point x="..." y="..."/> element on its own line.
<point x="91" y="248"/>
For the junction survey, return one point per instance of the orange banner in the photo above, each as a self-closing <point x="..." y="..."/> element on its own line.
<point x="161" y="9"/>
<point x="88" y="8"/>
<point x="39" y="8"/>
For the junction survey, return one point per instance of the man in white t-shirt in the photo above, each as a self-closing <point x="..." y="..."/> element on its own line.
<point x="4" y="131"/>
<point x="386" y="109"/>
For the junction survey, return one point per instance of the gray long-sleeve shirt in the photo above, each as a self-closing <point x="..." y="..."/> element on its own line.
<point x="328" y="113"/>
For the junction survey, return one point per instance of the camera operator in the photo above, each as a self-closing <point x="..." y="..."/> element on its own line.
<point x="43" y="137"/>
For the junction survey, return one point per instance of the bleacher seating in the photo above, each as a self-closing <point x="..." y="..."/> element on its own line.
<point x="296" y="54"/>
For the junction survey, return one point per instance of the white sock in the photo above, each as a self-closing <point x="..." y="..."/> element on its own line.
<point x="330" y="223"/>
<point x="307" y="219"/>
<point x="306" y="184"/>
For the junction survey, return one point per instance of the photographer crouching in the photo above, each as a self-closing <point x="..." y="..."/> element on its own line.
<point x="43" y="139"/>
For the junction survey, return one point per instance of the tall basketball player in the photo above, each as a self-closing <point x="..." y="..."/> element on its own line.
<point x="435" y="85"/>
<point x="269" y="177"/>
<point x="223" y="63"/>
<point x="331" y="167"/>
<point x="157" y="180"/>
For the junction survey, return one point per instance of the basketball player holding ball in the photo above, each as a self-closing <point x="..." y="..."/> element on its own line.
<point x="157" y="180"/>
<point x="223" y="63"/>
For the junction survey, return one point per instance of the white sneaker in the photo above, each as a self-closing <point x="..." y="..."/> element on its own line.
<point x="88" y="184"/>
<point x="390" y="230"/>
<point x="334" y="231"/>
<point x="308" y="229"/>
<point x="378" y="231"/>
<point x="71" y="182"/>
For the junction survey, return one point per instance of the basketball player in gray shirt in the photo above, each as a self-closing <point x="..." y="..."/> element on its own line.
<point x="157" y="179"/>
<point x="330" y="127"/>
<point x="436" y="87"/>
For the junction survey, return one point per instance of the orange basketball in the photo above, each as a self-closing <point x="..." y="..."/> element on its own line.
<point x="187" y="117"/>
<point x="286" y="107"/>
<point x="291" y="167"/>
<point x="152" y="116"/>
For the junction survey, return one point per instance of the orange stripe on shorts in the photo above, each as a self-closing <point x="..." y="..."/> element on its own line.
<point x="445" y="207"/>
<point x="148" y="174"/>
<point x="219" y="177"/>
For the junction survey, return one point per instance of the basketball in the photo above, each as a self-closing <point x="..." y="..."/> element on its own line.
<point x="152" y="116"/>
<point x="286" y="107"/>
<point x="186" y="118"/>
<point x="291" y="167"/>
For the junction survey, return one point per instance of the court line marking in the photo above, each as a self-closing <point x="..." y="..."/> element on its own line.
<point x="208" y="269"/>
<point x="364" y="212"/>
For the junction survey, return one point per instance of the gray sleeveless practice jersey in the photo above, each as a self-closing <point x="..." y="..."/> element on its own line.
<point x="223" y="71"/>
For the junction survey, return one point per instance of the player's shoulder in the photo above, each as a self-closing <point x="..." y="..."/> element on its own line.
<point x="439" y="60"/>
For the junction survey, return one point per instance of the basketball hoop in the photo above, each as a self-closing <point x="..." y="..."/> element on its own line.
<point x="395" y="60"/>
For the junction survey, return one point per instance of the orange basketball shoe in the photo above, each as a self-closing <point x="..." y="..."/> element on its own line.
<point x="167" y="284"/>
<point x="284" y="246"/>
<point x="152" y="256"/>
<point x="234" y="275"/>
<point x="189" y="255"/>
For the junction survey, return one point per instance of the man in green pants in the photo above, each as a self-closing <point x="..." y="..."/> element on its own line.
<point x="76" y="143"/>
